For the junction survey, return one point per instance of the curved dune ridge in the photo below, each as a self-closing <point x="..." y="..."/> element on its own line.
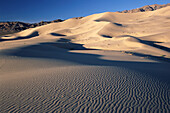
<point x="97" y="63"/>
<point x="145" y="32"/>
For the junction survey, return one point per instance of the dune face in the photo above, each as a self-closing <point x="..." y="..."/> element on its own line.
<point x="146" y="33"/>
<point x="108" y="62"/>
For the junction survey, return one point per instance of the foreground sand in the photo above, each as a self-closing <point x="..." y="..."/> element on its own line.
<point x="45" y="78"/>
<point x="59" y="67"/>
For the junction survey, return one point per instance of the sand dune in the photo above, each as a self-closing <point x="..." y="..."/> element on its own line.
<point x="108" y="62"/>
<point x="101" y="31"/>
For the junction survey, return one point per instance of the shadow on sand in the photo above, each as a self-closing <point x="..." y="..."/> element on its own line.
<point x="114" y="23"/>
<point x="34" y="34"/>
<point x="52" y="50"/>
<point x="159" y="58"/>
<point x="57" y="34"/>
<point x="106" y="36"/>
<point x="150" y="43"/>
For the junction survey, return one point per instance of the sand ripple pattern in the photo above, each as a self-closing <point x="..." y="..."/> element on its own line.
<point x="85" y="89"/>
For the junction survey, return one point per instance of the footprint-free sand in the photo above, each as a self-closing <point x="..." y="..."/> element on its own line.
<point x="109" y="62"/>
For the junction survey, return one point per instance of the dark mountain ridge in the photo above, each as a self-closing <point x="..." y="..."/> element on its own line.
<point x="13" y="27"/>
<point x="146" y="8"/>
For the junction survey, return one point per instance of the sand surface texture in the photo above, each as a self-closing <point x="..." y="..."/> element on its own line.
<point x="109" y="62"/>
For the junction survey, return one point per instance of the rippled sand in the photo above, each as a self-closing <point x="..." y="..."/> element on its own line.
<point x="42" y="85"/>
<point x="54" y="68"/>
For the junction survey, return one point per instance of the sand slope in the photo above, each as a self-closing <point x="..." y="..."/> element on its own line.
<point x="59" y="67"/>
<point x="146" y="33"/>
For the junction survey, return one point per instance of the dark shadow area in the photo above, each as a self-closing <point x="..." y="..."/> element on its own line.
<point x="106" y="36"/>
<point x="63" y="40"/>
<point x="98" y="20"/>
<point x="150" y="43"/>
<point x="161" y="58"/>
<point x="66" y="44"/>
<point x="118" y="24"/>
<point x="6" y="36"/>
<point x="51" y="50"/>
<point x="34" y="34"/>
<point x="57" y="34"/>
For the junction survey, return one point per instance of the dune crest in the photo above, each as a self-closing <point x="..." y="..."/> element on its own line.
<point x="113" y="31"/>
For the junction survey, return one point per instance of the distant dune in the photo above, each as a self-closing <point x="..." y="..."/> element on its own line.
<point x="107" y="62"/>
<point x="146" y="33"/>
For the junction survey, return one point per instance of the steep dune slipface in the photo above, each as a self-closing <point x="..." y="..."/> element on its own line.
<point x="114" y="31"/>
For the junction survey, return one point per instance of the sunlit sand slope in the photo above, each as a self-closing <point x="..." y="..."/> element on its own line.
<point x="146" y="33"/>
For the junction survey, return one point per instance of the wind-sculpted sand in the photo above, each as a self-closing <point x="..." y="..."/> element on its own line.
<point x="56" y="87"/>
<point x="100" y="63"/>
